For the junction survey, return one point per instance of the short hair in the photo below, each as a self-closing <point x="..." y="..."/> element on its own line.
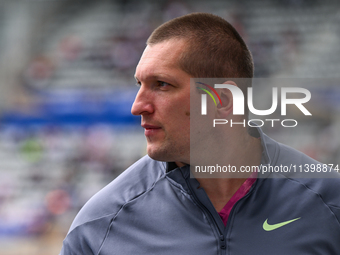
<point x="214" y="50"/>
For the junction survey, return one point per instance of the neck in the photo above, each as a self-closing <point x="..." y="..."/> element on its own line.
<point x="244" y="152"/>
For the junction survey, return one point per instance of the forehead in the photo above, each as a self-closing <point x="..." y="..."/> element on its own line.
<point x="160" y="58"/>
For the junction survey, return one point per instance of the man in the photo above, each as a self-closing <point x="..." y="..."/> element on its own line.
<point x="154" y="207"/>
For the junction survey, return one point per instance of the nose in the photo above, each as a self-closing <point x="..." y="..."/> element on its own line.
<point x="143" y="103"/>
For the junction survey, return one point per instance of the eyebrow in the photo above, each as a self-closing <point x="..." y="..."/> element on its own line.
<point x="159" y="77"/>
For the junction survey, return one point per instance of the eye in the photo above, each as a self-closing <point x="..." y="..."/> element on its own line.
<point x="162" y="84"/>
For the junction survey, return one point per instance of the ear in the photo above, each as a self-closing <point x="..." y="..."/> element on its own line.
<point x="226" y="96"/>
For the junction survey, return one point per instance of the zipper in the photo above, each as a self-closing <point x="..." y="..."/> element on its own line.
<point x="222" y="239"/>
<point x="231" y="214"/>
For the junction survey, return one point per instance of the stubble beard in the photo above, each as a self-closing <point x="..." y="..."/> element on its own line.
<point x="169" y="152"/>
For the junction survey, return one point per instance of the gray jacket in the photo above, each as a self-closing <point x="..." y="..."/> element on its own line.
<point x="153" y="209"/>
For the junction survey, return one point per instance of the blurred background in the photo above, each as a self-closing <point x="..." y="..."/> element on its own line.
<point x="66" y="89"/>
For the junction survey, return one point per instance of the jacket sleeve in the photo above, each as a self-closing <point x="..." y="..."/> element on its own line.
<point x="87" y="239"/>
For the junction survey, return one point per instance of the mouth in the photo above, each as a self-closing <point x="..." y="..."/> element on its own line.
<point x="151" y="129"/>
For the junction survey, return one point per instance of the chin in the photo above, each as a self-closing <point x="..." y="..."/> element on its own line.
<point x="166" y="157"/>
<point x="157" y="156"/>
<point x="167" y="153"/>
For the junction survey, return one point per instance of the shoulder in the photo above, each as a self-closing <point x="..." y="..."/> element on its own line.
<point x="311" y="176"/>
<point x="134" y="181"/>
<point x="91" y="225"/>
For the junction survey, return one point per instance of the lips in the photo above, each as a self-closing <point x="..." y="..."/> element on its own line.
<point x="151" y="129"/>
<point x="146" y="126"/>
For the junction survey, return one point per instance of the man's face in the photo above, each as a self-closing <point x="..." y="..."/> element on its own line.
<point x="163" y="101"/>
